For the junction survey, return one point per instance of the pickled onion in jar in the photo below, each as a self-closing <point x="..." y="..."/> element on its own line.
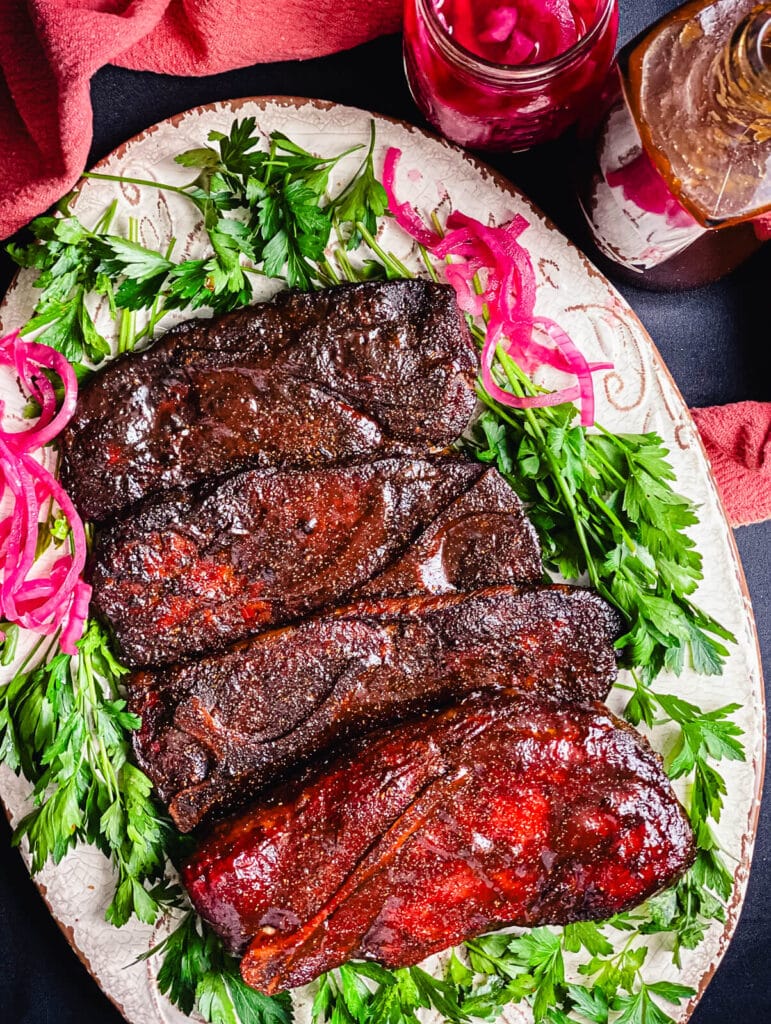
<point x="509" y="74"/>
<point x="524" y="32"/>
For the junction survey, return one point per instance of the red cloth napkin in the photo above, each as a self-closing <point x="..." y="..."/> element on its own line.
<point x="738" y="441"/>
<point x="49" y="49"/>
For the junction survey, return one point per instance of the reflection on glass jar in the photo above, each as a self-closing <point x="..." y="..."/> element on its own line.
<point x="499" y="77"/>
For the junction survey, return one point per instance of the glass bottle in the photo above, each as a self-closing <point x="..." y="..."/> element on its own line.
<point x="679" y="190"/>
<point x="503" y="76"/>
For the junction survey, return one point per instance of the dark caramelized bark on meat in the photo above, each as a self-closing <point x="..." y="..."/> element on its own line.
<point x="215" y="732"/>
<point x="482" y="539"/>
<point x="328" y="377"/>
<point x="188" y="574"/>
<point x="506" y="809"/>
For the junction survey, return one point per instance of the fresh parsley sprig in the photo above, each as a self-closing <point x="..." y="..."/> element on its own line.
<point x="265" y="211"/>
<point x="68" y="266"/>
<point x="531" y="968"/>
<point x="605" y="508"/>
<point x="197" y="973"/>
<point x="365" y="993"/>
<point x="496" y="970"/>
<point x="703" y="739"/>
<point x="66" y="728"/>
<point x="281" y="225"/>
<point x="685" y="912"/>
<point x="279" y="192"/>
<point x="355" y="211"/>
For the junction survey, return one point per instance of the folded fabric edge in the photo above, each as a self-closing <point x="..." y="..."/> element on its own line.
<point x="737" y="438"/>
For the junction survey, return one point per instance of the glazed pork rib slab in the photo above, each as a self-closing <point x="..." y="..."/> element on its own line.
<point x="482" y="539"/>
<point x="216" y="731"/>
<point x="505" y="809"/>
<point x="188" y="574"/>
<point x="340" y="375"/>
<point x="192" y="573"/>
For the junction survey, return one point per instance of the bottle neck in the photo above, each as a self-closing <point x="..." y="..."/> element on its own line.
<point x="743" y="77"/>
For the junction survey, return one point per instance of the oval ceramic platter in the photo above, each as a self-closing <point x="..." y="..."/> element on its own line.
<point x="638" y="395"/>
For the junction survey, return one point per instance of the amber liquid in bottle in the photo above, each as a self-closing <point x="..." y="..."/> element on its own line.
<point x="682" y="165"/>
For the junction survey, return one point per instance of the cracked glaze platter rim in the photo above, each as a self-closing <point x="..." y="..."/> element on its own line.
<point x="638" y="395"/>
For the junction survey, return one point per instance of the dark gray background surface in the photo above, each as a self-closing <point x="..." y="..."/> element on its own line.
<point x="715" y="341"/>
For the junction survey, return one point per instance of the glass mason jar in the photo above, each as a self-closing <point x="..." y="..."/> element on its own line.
<point x="484" y="105"/>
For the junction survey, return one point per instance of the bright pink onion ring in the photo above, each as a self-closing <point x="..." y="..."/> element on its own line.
<point x="31" y="591"/>
<point x="19" y="545"/>
<point x="28" y="358"/>
<point x="516" y="401"/>
<point x="62" y="499"/>
<point x="76" y="622"/>
<point x="58" y="598"/>
<point x="406" y="217"/>
<point x="577" y="362"/>
<point x="493" y="274"/>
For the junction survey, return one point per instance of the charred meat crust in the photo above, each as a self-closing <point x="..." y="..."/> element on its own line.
<point x="190" y="573"/>
<point x="505" y="809"/>
<point x="484" y="538"/>
<point x="216" y="731"/>
<point x="341" y="375"/>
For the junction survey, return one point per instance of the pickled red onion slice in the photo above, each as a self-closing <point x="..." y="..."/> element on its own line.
<point x="515" y="401"/>
<point x="405" y="216"/>
<point x="499" y="25"/>
<point x="526" y="33"/>
<point x="522" y="49"/>
<point x="76" y="619"/>
<point x="492" y="273"/>
<point x="56" y="598"/>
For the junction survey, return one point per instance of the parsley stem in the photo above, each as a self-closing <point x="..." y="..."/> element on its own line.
<point x="155" y="318"/>
<point x="342" y="258"/>
<point x="84" y="663"/>
<point x="617" y="440"/>
<point x="24" y="665"/>
<point x="158" y="308"/>
<point x="557" y="473"/>
<point x="327" y="270"/>
<point x="140" y="181"/>
<point x="126" y="331"/>
<point x="614" y="519"/>
<point x="598" y="454"/>
<point x="483" y="397"/>
<point x="428" y="264"/>
<point x="388" y="259"/>
<point x="104" y="222"/>
<point x="110" y="295"/>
